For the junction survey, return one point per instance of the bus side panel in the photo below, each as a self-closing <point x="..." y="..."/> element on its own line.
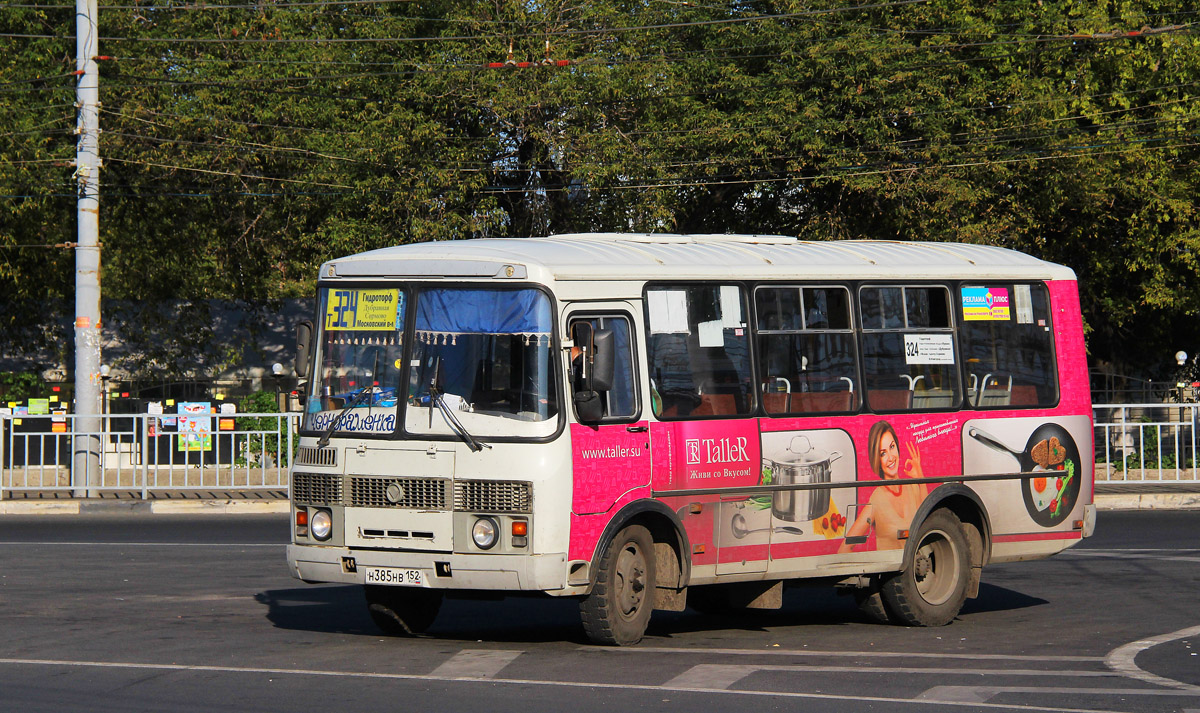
<point x="1072" y="355"/>
<point x="610" y="466"/>
<point x="587" y="529"/>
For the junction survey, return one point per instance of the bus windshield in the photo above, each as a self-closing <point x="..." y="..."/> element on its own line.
<point x="358" y="362"/>
<point x="486" y="355"/>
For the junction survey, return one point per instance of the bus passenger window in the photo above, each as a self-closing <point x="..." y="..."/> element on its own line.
<point x="909" y="359"/>
<point x="619" y="402"/>
<point x="699" y="351"/>
<point x="1008" y="346"/>
<point x="806" y="351"/>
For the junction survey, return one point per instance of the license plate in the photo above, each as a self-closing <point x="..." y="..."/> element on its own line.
<point x="394" y="576"/>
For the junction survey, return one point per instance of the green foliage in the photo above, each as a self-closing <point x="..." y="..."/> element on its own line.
<point x="240" y="152"/>
<point x="18" y="386"/>
<point x="265" y="432"/>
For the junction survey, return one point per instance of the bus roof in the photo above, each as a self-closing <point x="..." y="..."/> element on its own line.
<point x="656" y="256"/>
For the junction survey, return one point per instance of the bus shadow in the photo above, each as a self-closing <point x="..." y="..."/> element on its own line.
<point x="993" y="598"/>
<point x="341" y="609"/>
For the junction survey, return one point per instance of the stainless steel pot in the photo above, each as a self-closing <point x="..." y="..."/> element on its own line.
<point x="801" y="464"/>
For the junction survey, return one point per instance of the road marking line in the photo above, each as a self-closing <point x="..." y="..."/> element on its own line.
<point x="841" y="654"/>
<point x="1121" y="659"/>
<point x="148" y="544"/>
<point x="980" y="694"/>
<point x="1079" y="551"/>
<point x="475" y="663"/>
<point x="959" y="694"/>
<point x="1146" y="555"/>
<point x="528" y="682"/>
<point x="710" y="675"/>
<point x="725" y="671"/>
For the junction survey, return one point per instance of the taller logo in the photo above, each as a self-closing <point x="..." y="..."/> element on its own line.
<point x="716" y="450"/>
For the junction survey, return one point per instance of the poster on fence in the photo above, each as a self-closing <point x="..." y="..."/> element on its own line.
<point x="195" y="426"/>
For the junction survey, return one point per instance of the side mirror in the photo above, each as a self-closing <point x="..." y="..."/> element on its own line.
<point x="304" y="332"/>
<point x="603" y="359"/>
<point x="589" y="406"/>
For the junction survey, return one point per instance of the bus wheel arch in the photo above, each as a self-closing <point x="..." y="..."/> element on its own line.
<point x="931" y="587"/>
<point x="643" y="547"/>
<point x="666" y="530"/>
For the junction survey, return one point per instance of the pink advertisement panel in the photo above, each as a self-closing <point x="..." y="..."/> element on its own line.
<point x="874" y="457"/>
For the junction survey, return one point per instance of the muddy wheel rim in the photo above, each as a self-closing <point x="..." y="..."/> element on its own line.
<point x="936" y="568"/>
<point x="630" y="580"/>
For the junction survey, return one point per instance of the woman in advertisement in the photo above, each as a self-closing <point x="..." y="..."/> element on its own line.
<point x="892" y="506"/>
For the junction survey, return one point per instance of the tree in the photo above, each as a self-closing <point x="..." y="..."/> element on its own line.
<point x="245" y="144"/>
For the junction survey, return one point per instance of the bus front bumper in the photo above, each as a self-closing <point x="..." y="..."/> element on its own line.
<point x="433" y="570"/>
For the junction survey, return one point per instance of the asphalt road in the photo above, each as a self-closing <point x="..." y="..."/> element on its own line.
<point x="169" y="613"/>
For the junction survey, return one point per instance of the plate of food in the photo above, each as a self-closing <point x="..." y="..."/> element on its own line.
<point x="1052" y="455"/>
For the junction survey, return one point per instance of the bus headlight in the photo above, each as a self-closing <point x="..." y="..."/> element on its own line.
<point x="321" y="524"/>
<point x="485" y="532"/>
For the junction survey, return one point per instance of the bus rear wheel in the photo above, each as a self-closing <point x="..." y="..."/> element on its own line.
<point x="870" y="602"/>
<point x="933" y="586"/>
<point x="622" y="599"/>
<point x="402" y="611"/>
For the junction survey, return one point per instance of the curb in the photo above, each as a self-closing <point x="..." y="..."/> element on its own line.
<point x="142" y="507"/>
<point x="1148" y="501"/>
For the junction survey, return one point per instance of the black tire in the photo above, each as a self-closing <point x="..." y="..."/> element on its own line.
<point x="402" y="611"/>
<point x="933" y="586"/>
<point x="870" y="602"/>
<point x="622" y="599"/>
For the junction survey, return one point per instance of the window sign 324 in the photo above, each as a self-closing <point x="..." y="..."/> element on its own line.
<point x="928" y="349"/>
<point x="394" y="576"/>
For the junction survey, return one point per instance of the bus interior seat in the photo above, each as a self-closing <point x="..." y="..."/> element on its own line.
<point x="995" y="397"/>
<point x="776" y="402"/>
<point x="933" y="398"/>
<point x="823" y="401"/>
<point x="889" y="399"/>
<point x="1024" y="395"/>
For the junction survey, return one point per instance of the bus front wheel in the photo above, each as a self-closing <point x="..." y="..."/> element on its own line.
<point x="933" y="586"/>
<point x="402" y="611"/>
<point x="622" y="599"/>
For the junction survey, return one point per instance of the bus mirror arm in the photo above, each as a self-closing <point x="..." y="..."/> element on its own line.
<point x="304" y="331"/>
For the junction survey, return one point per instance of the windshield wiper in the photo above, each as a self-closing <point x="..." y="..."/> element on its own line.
<point x="435" y="396"/>
<point x="324" y="439"/>
<point x="455" y="425"/>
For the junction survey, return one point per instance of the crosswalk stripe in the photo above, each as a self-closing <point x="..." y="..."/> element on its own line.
<point x="475" y="663"/>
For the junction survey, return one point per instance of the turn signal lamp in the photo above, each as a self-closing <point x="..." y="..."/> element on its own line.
<point x="302" y="523"/>
<point x="520" y="530"/>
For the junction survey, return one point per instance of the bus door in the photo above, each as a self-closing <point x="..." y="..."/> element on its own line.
<point x="610" y="440"/>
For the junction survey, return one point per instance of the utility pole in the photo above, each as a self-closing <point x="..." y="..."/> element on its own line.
<point x="86" y="448"/>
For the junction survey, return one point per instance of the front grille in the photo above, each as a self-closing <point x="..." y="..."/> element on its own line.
<point x="412" y="493"/>
<point x="316" y="489"/>
<point x="493" y="496"/>
<point x="316" y="456"/>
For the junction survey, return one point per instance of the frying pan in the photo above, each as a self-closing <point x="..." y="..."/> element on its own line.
<point x="1025" y="457"/>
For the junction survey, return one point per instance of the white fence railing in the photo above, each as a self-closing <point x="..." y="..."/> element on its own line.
<point x="1153" y="442"/>
<point x="138" y="453"/>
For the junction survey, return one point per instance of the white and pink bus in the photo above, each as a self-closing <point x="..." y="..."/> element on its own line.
<point x="650" y="421"/>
